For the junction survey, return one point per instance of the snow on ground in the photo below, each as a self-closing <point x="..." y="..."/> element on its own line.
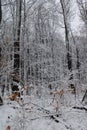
<point x="6" y="113"/>
<point x="31" y="117"/>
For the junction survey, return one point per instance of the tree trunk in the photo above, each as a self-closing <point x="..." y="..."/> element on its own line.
<point x="0" y="12"/>
<point x="68" y="55"/>
<point x="17" y="41"/>
<point x="78" y="63"/>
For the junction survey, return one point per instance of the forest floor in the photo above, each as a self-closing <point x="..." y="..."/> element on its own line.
<point x="34" y="114"/>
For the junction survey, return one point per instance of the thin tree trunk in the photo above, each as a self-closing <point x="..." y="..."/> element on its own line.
<point x="0" y="12"/>
<point x="17" y="42"/>
<point x="69" y="60"/>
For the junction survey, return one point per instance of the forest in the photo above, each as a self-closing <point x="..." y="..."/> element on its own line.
<point x="43" y="64"/>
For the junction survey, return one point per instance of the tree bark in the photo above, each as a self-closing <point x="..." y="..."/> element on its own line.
<point x="0" y="12"/>
<point x="68" y="55"/>
<point x="17" y="41"/>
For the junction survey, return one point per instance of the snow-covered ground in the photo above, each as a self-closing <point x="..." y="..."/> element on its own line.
<point x="32" y="116"/>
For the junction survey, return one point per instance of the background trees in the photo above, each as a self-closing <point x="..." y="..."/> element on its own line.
<point x="33" y="47"/>
<point x="82" y="5"/>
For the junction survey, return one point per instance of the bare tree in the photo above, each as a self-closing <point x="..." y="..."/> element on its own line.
<point x="18" y="32"/>
<point x="0" y="12"/>
<point x="82" y="4"/>
<point x="66" y="12"/>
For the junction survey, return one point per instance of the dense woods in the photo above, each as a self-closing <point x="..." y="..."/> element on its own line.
<point x="33" y="49"/>
<point x="40" y="50"/>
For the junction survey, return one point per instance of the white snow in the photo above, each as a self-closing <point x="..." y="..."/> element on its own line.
<point x="31" y="117"/>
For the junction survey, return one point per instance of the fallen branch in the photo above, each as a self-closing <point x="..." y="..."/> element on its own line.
<point x="47" y="112"/>
<point x="52" y="116"/>
<point x="81" y="108"/>
<point x="84" y="96"/>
